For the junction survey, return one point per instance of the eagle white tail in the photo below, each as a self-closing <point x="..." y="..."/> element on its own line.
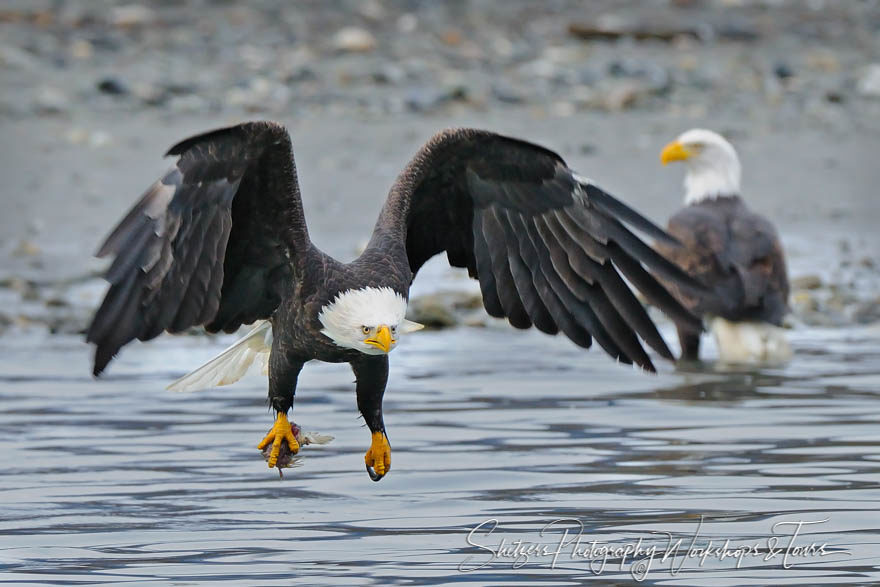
<point x="231" y="365"/>
<point x="750" y="343"/>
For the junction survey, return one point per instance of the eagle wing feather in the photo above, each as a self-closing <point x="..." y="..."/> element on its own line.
<point x="210" y="243"/>
<point x="549" y="248"/>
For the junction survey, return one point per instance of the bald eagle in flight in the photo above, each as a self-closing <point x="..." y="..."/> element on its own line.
<point x="221" y="240"/>
<point x="733" y="251"/>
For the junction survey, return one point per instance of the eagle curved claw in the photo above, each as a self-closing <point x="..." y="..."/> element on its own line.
<point x="280" y="432"/>
<point x="378" y="457"/>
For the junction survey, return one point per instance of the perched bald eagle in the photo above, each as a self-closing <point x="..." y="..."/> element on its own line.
<point x="220" y="240"/>
<point x="730" y="249"/>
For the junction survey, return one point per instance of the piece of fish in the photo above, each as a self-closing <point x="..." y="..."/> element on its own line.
<point x="286" y="459"/>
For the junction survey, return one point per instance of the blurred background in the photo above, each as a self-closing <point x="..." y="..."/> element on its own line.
<point x="92" y="93"/>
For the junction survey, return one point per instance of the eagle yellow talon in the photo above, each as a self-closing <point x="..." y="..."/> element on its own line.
<point x="378" y="457"/>
<point x="280" y="432"/>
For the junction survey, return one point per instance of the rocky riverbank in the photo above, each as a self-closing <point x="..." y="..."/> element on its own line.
<point x="378" y="58"/>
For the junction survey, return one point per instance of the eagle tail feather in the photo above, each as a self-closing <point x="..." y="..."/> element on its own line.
<point x="750" y="343"/>
<point x="230" y="365"/>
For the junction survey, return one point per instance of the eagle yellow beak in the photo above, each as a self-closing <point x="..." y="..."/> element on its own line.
<point x="382" y="339"/>
<point x="674" y="151"/>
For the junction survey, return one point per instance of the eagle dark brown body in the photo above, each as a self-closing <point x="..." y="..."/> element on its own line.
<point x="736" y="251"/>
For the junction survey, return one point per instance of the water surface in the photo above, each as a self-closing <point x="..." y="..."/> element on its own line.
<point x="120" y="481"/>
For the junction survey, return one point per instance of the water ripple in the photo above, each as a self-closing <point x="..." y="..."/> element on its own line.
<point x="119" y="481"/>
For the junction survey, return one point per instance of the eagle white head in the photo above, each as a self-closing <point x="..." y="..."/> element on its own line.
<point x="713" y="167"/>
<point x="369" y="320"/>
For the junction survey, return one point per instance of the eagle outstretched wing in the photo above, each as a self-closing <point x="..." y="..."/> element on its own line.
<point x="549" y="248"/>
<point x="209" y="243"/>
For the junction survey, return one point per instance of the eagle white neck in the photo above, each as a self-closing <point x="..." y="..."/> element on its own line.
<point x="713" y="173"/>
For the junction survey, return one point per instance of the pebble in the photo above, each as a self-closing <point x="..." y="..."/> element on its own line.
<point x="655" y="76"/>
<point x="131" y="15"/>
<point x="81" y="49"/>
<point x="507" y="93"/>
<point x="868" y="85"/>
<point x="187" y="104"/>
<point x="300" y="74"/>
<point x="12" y="56"/>
<point x="372" y="9"/>
<point x="867" y="312"/>
<point x="407" y="23"/>
<point x="806" y="282"/>
<point x="424" y="99"/>
<point x="823" y="60"/>
<point x="389" y="73"/>
<point x="354" y="40"/>
<point x="50" y="100"/>
<point x="803" y="302"/>
<point x="563" y="109"/>
<point x="18" y="285"/>
<point x="26" y="248"/>
<point x="835" y="97"/>
<point x="622" y="96"/>
<point x="149" y="94"/>
<point x="113" y="86"/>
<point x="93" y="139"/>
<point x="783" y="71"/>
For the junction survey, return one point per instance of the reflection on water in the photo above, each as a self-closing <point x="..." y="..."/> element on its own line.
<point x="121" y="481"/>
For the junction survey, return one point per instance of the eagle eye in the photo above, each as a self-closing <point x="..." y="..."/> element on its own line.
<point x="366" y="329"/>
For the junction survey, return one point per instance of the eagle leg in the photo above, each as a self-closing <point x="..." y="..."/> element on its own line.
<point x="283" y="373"/>
<point x="371" y="373"/>
<point x="281" y="431"/>
<point x="690" y="343"/>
